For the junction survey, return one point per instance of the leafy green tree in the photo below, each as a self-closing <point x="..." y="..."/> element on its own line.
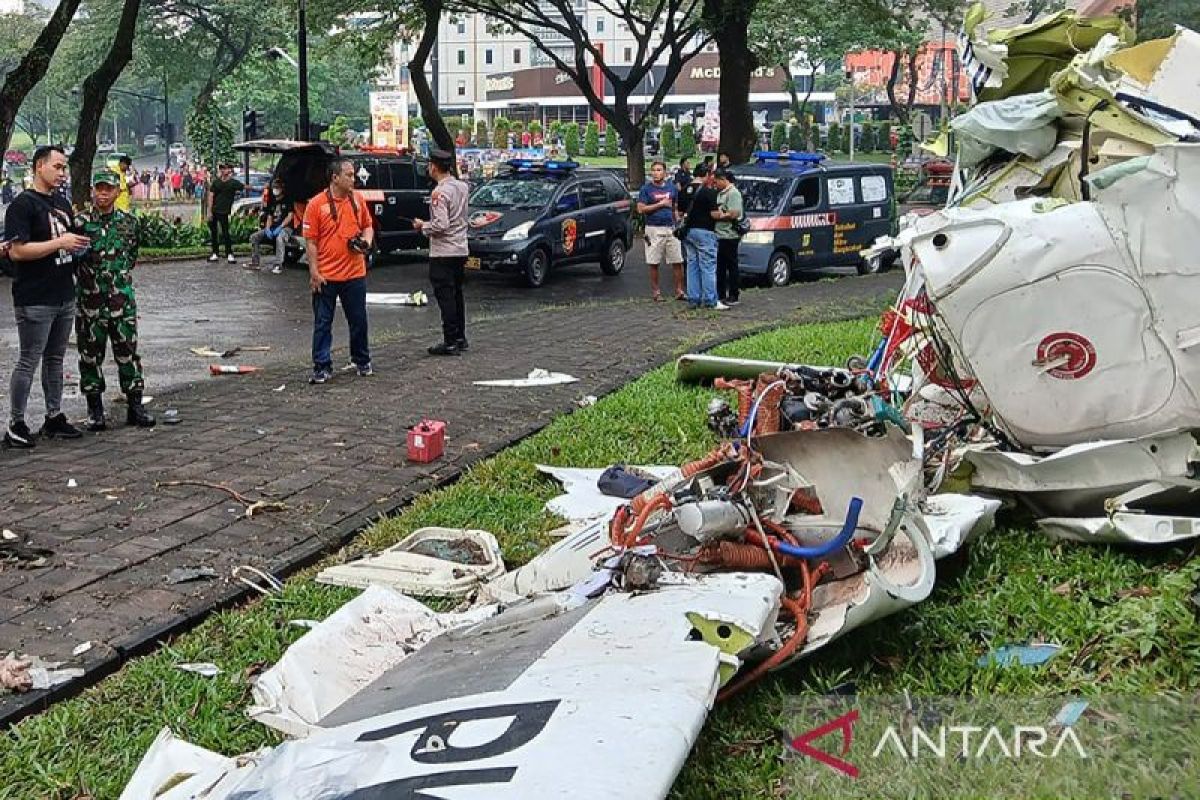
<point x="535" y="131"/>
<point x="779" y="135"/>
<point x="687" y="140"/>
<point x="834" y="141"/>
<point x="668" y="142"/>
<point x="591" y="141"/>
<point x="883" y="137"/>
<point x="867" y="139"/>
<point x="611" y="148"/>
<point x="571" y="139"/>
<point x="795" y="137"/>
<point x="500" y="129"/>
<point x="200" y="125"/>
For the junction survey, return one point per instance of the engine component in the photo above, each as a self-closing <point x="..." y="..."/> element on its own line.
<point x="721" y="419"/>
<point x="707" y="520"/>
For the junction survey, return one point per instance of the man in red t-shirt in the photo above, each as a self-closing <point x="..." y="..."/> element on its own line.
<point x="338" y="234"/>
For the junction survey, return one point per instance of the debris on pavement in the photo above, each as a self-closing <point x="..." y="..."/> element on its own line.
<point x="430" y="562"/>
<point x="585" y="401"/>
<point x="189" y="574"/>
<point x="171" y="416"/>
<point x="72" y="483"/>
<point x="252" y="507"/>
<point x="1031" y="655"/>
<point x="208" y="352"/>
<point x="15" y="550"/>
<point x="232" y="369"/>
<point x="14" y="674"/>
<point x="426" y="441"/>
<point x="536" y="377"/>
<point x="204" y="669"/>
<point x="80" y="649"/>
<point x="417" y="298"/>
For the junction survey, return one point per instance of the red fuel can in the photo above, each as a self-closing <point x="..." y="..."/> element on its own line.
<point x="426" y="440"/>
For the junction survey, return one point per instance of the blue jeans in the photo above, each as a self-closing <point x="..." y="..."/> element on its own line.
<point x="353" y="294"/>
<point x="701" y="267"/>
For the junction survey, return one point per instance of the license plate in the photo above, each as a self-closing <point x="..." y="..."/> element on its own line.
<point x="472" y="262"/>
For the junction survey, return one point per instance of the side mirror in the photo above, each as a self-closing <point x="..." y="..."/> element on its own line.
<point x="565" y="205"/>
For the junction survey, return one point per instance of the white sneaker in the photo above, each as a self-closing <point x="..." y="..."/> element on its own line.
<point x="277" y="269"/>
<point x="213" y="258"/>
<point x="231" y="259"/>
<point x="720" y="307"/>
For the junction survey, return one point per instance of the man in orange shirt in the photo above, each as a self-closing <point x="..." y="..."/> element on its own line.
<point x="338" y="234"/>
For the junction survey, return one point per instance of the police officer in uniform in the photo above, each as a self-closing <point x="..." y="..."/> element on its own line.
<point x="107" y="310"/>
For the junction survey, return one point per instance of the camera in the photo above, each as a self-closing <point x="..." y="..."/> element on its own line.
<point x="359" y="245"/>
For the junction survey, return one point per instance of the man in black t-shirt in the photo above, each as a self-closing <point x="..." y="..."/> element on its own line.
<point x="221" y="194"/>
<point x="700" y="201"/>
<point x="44" y="247"/>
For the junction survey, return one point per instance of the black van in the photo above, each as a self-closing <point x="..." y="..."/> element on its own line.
<point x="806" y="213"/>
<point x="397" y="187"/>
<point x="535" y="215"/>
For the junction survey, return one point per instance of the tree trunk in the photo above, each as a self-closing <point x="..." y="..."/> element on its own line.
<point x="730" y="24"/>
<point x="634" y="139"/>
<point x="32" y="68"/>
<point x="430" y="113"/>
<point x="901" y="111"/>
<point x="912" y="83"/>
<point x="95" y="97"/>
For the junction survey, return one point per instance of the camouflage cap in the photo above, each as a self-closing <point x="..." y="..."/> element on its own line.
<point x="106" y="176"/>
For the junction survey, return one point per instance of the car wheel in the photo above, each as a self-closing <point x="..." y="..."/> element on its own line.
<point x="779" y="269"/>
<point x="614" y="257"/>
<point x="537" y="267"/>
<point x="881" y="262"/>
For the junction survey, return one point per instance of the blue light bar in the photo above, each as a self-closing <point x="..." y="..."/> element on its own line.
<point x="774" y="155"/>
<point x="536" y="164"/>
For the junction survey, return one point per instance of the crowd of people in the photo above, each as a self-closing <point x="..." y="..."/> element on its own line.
<point x="183" y="183"/>
<point x="695" y="216"/>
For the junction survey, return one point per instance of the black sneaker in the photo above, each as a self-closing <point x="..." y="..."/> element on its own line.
<point x="462" y="344"/>
<point x="321" y="375"/>
<point x="18" y="436"/>
<point x="445" y="349"/>
<point x="60" y="427"/>
<point x="366" y="370"/>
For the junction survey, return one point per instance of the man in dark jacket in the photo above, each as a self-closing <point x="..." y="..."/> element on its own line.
<point x="701" y="241"/>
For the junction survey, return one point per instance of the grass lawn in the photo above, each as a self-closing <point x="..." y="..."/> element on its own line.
<point x="1124" y="618"/>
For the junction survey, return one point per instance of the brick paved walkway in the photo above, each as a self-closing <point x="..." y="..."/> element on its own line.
<point x="334" y="454"/>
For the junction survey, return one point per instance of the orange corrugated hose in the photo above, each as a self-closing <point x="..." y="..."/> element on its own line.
<point x="745" y="393"/>
<point x="622" y="536"/>
<point x="798" y="607"/>
<point x="720" y="454"/>
<point x="767" y="419"/>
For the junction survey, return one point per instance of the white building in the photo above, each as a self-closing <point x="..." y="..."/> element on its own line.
<point x="12" y="6"/>
<point x="484" y="72"/>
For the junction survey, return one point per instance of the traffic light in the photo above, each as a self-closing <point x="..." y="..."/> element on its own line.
<point x="249" y="124"/>
<point x="166" y="132"/>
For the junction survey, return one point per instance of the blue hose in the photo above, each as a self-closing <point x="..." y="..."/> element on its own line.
<point x="837" y="543"/>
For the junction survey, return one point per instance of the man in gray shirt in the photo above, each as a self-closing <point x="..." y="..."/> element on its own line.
<point x="447" y="232"/>
<point x="729" y="211"/>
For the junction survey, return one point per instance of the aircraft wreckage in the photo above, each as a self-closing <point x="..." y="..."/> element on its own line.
<point x="1043" y="351"/>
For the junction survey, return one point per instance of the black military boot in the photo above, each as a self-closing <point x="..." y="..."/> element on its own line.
<point x="137" y="412"/>
<point x="96" y="413"/>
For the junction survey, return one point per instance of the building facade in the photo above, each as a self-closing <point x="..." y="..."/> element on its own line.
<point x="479" y="70"/>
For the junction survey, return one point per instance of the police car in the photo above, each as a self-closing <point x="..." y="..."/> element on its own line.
<point x="537" y="215"/>
<point x="806" y="213"/>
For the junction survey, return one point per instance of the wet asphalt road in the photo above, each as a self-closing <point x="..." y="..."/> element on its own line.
<point x="196" y="304"/>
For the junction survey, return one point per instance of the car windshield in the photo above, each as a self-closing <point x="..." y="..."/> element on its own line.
<point x="761" y="195"/>
<point x="513" y="193"/>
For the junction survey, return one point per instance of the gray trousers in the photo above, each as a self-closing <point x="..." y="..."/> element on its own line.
<point x="260" y="236"/>
<point x="43" y="332"/>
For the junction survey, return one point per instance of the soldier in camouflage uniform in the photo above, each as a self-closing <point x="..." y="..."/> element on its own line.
<point x="107" y="308"/>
